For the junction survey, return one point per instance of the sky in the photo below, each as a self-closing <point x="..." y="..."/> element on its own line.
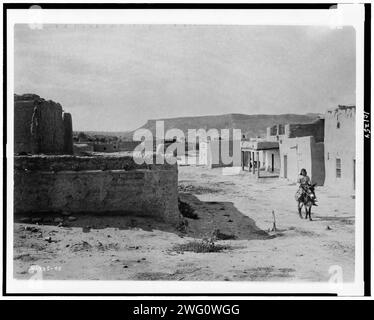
<point x="116" y="77"/>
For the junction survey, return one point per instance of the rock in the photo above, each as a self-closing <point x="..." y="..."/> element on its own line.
<point x="222" y="236"/>
<point x="125" y="266"/>
<point x="58" y="220"/>
<point x="328" y="228"/>
<point x="81" y="246"/>
<point x="32" y="229"/>
<point x="71" y="218"/>
<point x="49" y="239"/>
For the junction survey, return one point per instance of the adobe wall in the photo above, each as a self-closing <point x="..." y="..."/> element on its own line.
<point x="318" y="172"/>
<point x="315" y="129"/>
<point x="139" y="190"/>
<point x="279" y="132"/>
<point x="40" y="126"/>
<point x="340" y="143"/>
<point x="105" y="147"/>
<point x="298" y="152"/>
<point x="302" y="152"/>
<point x="268" y="159"/>
<point x="80" y="163"/>
<point x="68" y="133"/>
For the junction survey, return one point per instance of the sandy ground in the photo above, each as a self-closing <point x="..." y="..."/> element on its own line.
<point x="138" y="248"/>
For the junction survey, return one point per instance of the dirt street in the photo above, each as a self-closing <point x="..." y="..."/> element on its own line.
<point x="236" y="208"/>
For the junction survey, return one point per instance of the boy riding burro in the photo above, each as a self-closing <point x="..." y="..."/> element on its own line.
<point x="305" y="194"/>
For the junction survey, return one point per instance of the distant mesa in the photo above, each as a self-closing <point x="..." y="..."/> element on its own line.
<point x="250" y="125"/>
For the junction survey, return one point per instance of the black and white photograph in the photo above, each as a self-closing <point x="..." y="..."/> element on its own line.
<point x="209" y="151"/>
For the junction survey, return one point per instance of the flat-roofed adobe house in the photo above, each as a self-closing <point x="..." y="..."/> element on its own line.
<point x="340" y="147"/>
<point x="260" y="154"/>
<point x="302" y="146"/>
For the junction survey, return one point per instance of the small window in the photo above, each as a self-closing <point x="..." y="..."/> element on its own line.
<point x="338" y="168"/>
<point x="338" y="125"/>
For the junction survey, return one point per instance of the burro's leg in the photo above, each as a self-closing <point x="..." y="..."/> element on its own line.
<point x="299" y="205"/>
<point x="310" y="212"/>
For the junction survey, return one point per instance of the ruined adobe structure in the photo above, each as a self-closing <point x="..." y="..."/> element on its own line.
<point x="51" y="179"/>
<point x="340" y="147"/>
<point x="41" y="126"/>
<point x="95" y="184"/>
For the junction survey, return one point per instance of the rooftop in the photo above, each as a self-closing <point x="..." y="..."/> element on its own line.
<point x="260" y="145"/>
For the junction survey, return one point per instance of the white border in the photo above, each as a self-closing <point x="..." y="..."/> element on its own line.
<point x="352" y="15"/>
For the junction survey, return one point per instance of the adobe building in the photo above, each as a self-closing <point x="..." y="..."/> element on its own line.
<point x="340" y="147"/>
<point x="302" y="146"/>
<point x="105" y="147"/>
<point x="211" y="152"/>
<point x="41" y="126"/>
<point x="260" y="154"/>
<point x="263" y="153"/>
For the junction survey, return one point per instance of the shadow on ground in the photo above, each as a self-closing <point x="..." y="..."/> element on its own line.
<point x="213" y="218"/>
<point x="222" y="216"/>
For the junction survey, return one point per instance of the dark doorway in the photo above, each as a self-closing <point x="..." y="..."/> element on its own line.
<point x="285" y="167"/>
<point x="354" y="174"/>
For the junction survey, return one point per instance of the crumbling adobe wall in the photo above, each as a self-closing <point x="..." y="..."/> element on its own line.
<point x="80" y="163"/>
<point x="68" y="133"/>
<point x="40" y="126"/>
<point x="138" y="190"/>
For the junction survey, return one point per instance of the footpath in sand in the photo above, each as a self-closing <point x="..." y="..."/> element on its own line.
<point x="236" y="208"/>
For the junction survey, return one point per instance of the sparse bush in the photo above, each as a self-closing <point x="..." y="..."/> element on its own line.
<point x="203" y="246"/>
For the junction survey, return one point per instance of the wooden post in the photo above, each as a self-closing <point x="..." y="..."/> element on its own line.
<point x="249" y="160"/>
<point x="253" y="163"/>
<point x="258" y="164"/>
<point x="274" y="222"/>
<point x="242" y="160"/>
